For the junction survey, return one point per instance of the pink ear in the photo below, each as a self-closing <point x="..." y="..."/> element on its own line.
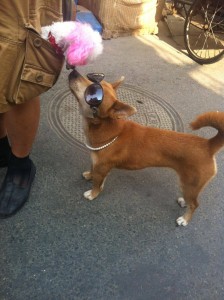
<point x="121" y="110"/>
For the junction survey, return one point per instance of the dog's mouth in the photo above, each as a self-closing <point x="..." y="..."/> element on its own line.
<point x="73" y="79"/>
<point x="78" y="85"/>
<point x="73" y="75"/>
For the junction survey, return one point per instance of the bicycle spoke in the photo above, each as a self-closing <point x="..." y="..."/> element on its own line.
<point x="204" y="31"/>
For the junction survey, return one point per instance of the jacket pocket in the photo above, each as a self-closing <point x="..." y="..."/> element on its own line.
<point x="40" y="69"/>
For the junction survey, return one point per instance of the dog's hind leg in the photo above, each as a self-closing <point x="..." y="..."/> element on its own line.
<point x="99" y="174"/>
<point x="190" y="196"/>
<point x="192" y="184"/>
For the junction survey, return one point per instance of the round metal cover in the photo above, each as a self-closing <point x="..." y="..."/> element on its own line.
<point x="65" y="119"/>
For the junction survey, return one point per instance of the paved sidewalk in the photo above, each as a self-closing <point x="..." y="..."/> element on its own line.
<point x="125" y="244"/>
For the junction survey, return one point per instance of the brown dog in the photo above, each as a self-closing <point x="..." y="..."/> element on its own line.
<point x="116" y="142"/>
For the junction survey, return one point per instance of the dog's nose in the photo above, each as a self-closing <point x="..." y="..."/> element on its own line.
<point x="73" y="75"/>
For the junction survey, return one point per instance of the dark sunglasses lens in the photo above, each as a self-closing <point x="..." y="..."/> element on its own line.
<point x="94" y="94"/>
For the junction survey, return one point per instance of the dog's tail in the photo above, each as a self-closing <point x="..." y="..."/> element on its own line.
<point x="215" y="120"/>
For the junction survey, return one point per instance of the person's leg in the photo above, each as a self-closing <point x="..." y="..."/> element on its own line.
<point x="21" y="124"/>
<point x="5" y="149"/>
<point x="2" y="126"/>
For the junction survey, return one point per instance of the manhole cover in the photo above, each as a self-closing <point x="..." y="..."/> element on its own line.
<point x="64" y="117"/>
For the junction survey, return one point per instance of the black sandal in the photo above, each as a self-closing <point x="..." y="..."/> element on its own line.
<point x="5" y="152"/>
<point x="15" y="189"/>
<point x="4" y="160"/>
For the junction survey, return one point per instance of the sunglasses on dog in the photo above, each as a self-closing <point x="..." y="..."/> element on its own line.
<point x="94" y="92"/>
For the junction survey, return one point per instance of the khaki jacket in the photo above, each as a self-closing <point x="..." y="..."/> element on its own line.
<point x="29" y="64"/>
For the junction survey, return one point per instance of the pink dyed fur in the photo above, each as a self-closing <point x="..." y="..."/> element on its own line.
<point x="80" y="45"/>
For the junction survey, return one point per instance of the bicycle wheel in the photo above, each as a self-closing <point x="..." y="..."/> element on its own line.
<point x="204" y="31"/>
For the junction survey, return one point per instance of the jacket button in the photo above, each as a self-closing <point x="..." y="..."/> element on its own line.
<point x="39" y="78"/>
<point x="37" y="42"/>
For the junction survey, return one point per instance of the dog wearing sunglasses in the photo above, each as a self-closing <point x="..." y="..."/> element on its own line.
<point x="116" y="142"/>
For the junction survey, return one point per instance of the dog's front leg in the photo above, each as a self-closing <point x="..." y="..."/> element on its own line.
<point x="87" y="175"/>
<point x="98" y="175"/>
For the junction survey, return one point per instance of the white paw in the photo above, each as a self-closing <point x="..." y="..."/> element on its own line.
<point x="181" y="221"/>
<point x="87" y="175"/>
<point x="181" y="202"/>
<point x="88" y="195"/>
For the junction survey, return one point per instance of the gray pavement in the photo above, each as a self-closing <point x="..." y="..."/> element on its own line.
<point x="125" y="244"/>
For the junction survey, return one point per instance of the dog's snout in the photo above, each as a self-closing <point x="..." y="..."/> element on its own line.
<point x="73" y="75"/>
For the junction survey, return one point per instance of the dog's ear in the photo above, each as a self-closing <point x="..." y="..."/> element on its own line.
<point x="121" y="110"/>
<point x="116" y="84"/>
